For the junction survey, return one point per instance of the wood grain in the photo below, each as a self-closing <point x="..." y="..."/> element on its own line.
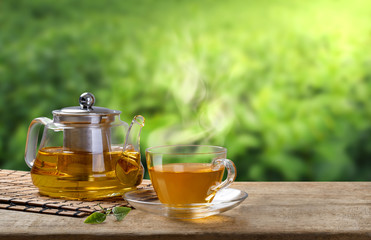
<point x="273" y="210"/>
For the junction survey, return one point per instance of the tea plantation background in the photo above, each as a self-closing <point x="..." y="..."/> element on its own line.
<point x="285" y="85"/>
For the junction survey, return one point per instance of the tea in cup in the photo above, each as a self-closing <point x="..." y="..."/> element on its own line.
<point x="188" y="174"/>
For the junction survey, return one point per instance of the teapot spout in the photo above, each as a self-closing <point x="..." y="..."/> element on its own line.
<point x="132" y="141"/>
<point x="129" y="169"/>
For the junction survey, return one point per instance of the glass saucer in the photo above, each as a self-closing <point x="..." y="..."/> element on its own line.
<point x="146" y="200"/>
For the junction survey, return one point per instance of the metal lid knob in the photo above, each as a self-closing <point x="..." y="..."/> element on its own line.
<point x="85" y="112"/>
<point x="86" y="101"/>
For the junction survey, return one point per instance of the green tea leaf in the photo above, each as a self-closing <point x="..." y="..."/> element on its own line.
<point x="120" y="212"/>
<point x="96" y="217"/>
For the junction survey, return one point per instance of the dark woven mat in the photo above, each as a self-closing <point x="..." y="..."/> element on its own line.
<point x="18" y="193"/>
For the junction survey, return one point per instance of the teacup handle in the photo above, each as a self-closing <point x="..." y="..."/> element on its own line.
<point x="231" y="170"/>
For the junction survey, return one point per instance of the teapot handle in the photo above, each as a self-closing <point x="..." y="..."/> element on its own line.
<point x="32" y="139"/>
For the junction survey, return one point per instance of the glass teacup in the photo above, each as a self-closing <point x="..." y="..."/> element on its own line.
<point x="186" y="175"/>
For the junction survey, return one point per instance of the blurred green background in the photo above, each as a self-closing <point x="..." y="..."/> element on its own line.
<point x="285" y="85"/>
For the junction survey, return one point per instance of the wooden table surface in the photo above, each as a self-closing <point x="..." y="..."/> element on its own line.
<point x="273" y="210"/>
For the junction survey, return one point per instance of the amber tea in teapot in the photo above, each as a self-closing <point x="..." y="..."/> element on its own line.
<point x="60" y="173"/>
<point x="83" y="153"/>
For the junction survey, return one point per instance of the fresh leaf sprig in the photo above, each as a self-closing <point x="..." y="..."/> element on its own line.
<point x="99" y="217"/>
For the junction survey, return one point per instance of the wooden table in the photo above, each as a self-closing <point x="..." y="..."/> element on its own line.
<point x="273" y="210"/>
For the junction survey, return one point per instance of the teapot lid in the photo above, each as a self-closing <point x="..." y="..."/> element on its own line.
<point x="86" y="113"/>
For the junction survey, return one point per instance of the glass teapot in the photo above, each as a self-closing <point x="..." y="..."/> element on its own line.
<point x="82" y="152"/>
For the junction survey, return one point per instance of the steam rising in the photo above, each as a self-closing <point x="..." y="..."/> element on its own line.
<point x="202" y="109"/>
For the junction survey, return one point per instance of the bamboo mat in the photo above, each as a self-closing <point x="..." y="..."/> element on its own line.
<point x="18" y="193"/>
